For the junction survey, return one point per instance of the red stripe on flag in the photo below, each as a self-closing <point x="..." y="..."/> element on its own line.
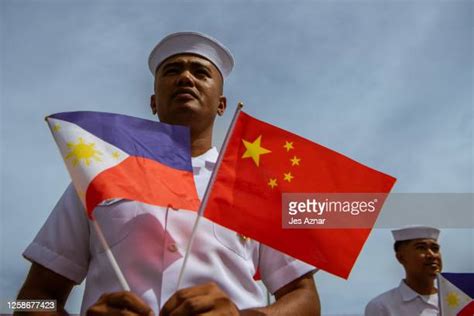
<point x="144" y="180"/>
<point x="468" y="310"/>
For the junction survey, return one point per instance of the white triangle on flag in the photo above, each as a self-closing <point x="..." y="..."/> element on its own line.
<point x="84" y="154"/>
<point x="451" y="298"/>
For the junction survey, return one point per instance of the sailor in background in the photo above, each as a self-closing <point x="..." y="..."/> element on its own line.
<point x="417" y="250"/>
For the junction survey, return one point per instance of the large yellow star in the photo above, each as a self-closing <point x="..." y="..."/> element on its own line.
<point x="288" y="176"/>
<point x="254" y="150"/>
<point x="272" y="183"/>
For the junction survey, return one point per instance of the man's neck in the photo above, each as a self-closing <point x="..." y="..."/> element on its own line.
<point x="421" y="286"/>
<point x="200" y="143"/>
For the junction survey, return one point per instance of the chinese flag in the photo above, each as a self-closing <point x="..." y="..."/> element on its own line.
<point x="260" y="163"/>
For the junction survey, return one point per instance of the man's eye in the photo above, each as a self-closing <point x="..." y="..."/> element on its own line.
<point x="170" y="71"/>
<point x="202" y="72"/>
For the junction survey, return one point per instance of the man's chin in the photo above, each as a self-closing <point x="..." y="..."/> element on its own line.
<point x="433" y="271"/>
<point x="184" y="102"/>
<point x="181" y="116"/>
<point x="185" y="108"/>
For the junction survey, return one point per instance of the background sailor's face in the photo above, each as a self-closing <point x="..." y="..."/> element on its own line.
<point x="188" y="91"/>
<point x="420" y="257"/>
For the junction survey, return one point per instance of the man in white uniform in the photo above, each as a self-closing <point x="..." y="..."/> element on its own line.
<point x="417" y="249"/>
<point x="149" y="242"/>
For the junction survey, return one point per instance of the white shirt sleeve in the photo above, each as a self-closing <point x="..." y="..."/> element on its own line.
<point x="278" y="269"/>
<point x="62" y="244"/>
<point x="375" y="308"/>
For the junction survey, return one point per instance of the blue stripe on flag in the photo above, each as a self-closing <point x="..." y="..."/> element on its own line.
<point x="463" y="281"/>
<point x="168" y="144"/>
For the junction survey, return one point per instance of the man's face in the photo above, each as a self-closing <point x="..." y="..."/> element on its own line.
<point x="188" y="91"/>
<point x="420" y="258"/>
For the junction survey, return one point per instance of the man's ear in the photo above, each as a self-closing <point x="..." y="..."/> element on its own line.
<point x="400" y="257"/>
<point x="153" y="104"/>
<point x="222" y="105"/>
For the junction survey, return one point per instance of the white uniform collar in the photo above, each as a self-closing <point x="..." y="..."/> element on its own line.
<point x="409" y="294"/>
<point x="206" y="160"/>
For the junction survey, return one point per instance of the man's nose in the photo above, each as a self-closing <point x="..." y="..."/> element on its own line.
<point x="185" y="78"/>
<point x="432" y="253"/>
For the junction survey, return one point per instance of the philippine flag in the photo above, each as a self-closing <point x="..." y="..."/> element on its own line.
<point x="117" y="156"/>
<point x="456" y="293"/>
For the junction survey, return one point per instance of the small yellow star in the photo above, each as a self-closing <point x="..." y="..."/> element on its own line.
<point x="56" y="127"/>
<point x="116" y="154"/>
<point x="272" y="183"/>
<point x="288" y="145"/>
<point x="254" y="150"/>
<point x="288" y="176"/>
<point x="295" y="161"/>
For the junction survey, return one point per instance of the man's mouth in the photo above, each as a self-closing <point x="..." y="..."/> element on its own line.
<point x="433" y="265"/>
<point x="184" y="94"/>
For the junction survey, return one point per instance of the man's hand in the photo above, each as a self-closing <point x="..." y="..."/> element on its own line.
<point x="120" y="303"/>
<point x="205" y="299"/>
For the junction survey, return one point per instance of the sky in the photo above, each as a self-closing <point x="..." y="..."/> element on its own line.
<point x="387" y="83"/>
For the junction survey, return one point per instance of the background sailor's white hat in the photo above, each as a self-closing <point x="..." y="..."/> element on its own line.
<point x="415" y="232"/>
<point x="194" y="43"/>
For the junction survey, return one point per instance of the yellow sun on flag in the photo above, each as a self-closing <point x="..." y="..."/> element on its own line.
<point x="82" y="151"/>
<point x="453" y="299"/>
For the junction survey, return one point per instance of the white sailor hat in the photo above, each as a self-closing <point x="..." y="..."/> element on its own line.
<point x="194" y="43"/>
<point x="415" y="232"/>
